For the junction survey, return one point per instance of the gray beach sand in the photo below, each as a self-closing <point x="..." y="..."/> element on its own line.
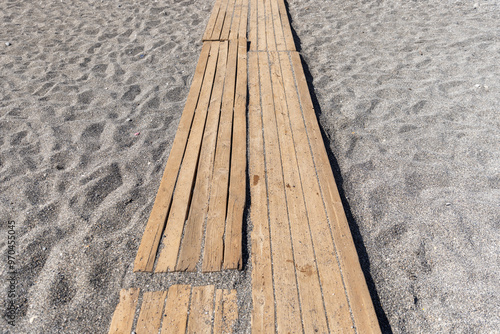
<point x="407" y="94"/>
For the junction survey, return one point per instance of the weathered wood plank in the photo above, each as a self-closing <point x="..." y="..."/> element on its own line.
<point x="262" y="276"/>
<point x="201" y="310"/>
<point x="211" y="21"/>
<point x="123" y="317"/>
<point x="175" y="316"/>
<point x="151" y="312"/>
<point x="146" y="253"/>
<point x="190" y="250"/>
<point x="313" y="313"/>
<point x="182" y="196"/>
<point x="286" y="298"/>
<point x="214" y="244"/>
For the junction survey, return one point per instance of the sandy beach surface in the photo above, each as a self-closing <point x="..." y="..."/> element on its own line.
<point x="408" y="96"/>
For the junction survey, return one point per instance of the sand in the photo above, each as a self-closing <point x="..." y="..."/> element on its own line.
<point x="407" y="94"/>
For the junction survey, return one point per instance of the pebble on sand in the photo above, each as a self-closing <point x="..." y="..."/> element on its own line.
<point x="8" y="43"/>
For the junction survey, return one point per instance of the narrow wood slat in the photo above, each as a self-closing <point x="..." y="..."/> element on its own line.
<point x="313" y="313"/>
<point x="287" y="303"/>
<point x="146" y="253"/>
<point x="252" y="33"/>
<point x="123" y="317"/>
<point x="270" y="38"/>
<point x="201" y="310"/>
<point x="337" y="308"/>
<point x="190" y="250"/>
<point x="214" y="244"/>
<point x="237" y="185"/>
<point x="359" y="298"/>
<point x="182" y="195"/>
<point x="287" y="30"/>
<point x="151" y="312"/>
<point x="261" y="26"/>
<point x="221" y="17"/>
<point x="175" y="316"/>
<point x="211" y="21"/>
<point x="235" y="24"/>
<point x="228" y="20"/>
<point x="243" y="20"/>
<point x="262" y="279"/>
<point x="278" y="28"/>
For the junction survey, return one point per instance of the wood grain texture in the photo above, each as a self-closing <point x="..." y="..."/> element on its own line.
<point x="211" y="21"/>
<point x="201" y="310"/>
<point x="214" y="244"/>
<point x="123" y="317"/>
<point x="146" y="253"/>
<point x="182" y="196"/>
<point x="176" y="309"/>
<point x="190" y="250"/>
<point x="287" y="30"/>
<point x="151" y="312"/>
<point x="286" y="295"/>
<point x="313" y="313"/>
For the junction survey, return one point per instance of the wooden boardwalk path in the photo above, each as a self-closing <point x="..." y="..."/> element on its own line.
<point x="306" y="275"/>
<point x="180" y="309"/>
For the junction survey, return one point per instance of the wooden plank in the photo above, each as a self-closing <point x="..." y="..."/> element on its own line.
<point x="288" y="317"/>
<point x="123" y="318"/>
<point x="235" y="25"/>
<point x="270" y="38"/>
<point x="313" y="313"/>
<point x="261" y="26"/>
<point x="362" y="309"/>
<point x="228" y="20"/>
<point x="190" y="250"/>
<point x="175" y="316"/>
<point x="278" y="28"/>
<point x="146" y="253"/>
<point x="202" y="309"/>
<point x="211" y="21"/>
<point x="214" y="244"/>
<point x="182" y="195"/>
<point x="221" y="17"/>
<point x="287" y="30"/>
<point x="336" y="305"/>
<point x="237" y="184"/>
<point x="243" y="20"/>
<point x="252" y="33"/>
<point x="262" y="279"/>
<point x="151" y="312"/>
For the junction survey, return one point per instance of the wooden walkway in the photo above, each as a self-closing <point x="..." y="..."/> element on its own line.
<point x="180" y="309"/>
<point x="306" y="275"/>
